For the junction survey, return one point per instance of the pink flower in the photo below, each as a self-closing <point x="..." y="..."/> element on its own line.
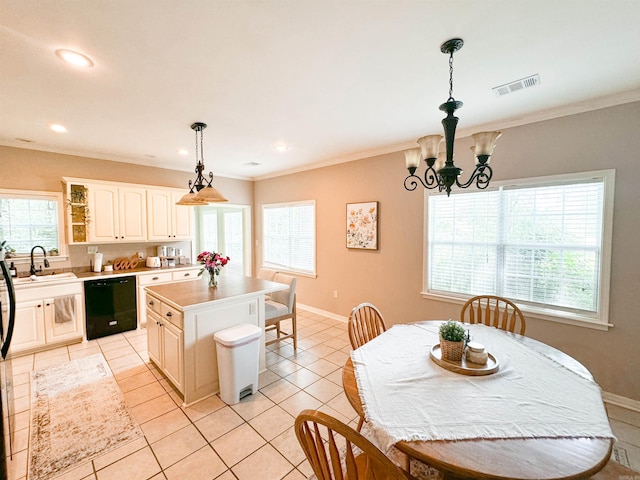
<point x="212" y="261"/>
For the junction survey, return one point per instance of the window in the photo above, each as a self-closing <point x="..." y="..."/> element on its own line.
<point x="289" y="236"/>
<point x="30" y="219"/>
<point x="226" y="230"/>
<point x="543" y="243"/>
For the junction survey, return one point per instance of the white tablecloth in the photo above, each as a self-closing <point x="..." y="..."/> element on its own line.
<point x="406" y="396"/>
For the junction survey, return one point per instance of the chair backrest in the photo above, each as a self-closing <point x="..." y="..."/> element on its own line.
<point x="322" y="437"/>
<point x="495" y="312"/>
<point x="365" y="323"/>
<point x="266" y="274"/>
<point x="287" y="296"/>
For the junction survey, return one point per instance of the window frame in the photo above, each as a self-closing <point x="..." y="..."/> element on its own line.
<point x="599" y="321"/>
<point x="63" y="252"/>
<point x="288" y="268"/>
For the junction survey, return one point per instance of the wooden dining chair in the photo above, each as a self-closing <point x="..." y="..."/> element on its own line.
<point x="279" y="307"/>
<point x="495" y="312"/>
<point x="336" y="451"/>
<point x="365" y="323"/>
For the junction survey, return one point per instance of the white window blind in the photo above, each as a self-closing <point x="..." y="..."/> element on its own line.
<point x="289" y="236"/>
<point x="540" y="243"/>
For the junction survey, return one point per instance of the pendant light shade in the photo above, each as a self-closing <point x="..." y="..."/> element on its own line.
<point x="191" y="200"/>
<point x="210" y="194"/>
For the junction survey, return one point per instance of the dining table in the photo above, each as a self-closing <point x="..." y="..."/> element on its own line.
<point x="538" y="415"/>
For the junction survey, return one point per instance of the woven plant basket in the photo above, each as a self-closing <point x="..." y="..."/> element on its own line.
<point x="451" y="350"/>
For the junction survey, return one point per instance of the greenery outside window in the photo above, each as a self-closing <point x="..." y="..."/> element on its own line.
<point x="28" y="219"/>
<point x="544" y="243"/>
<point x="289" y="237"/>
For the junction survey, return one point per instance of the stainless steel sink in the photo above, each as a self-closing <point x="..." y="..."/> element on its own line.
<point x="56" y="277"/>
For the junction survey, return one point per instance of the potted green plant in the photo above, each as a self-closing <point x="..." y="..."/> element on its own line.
<point x="54" y="252"/>
<point x="452" y="340"/>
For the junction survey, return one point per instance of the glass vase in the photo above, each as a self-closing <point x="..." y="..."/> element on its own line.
<point x="213" y="279"/>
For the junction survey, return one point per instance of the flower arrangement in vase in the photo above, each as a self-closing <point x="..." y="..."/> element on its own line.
<point x="453" y="338"/>
<point x="213" y="263"/>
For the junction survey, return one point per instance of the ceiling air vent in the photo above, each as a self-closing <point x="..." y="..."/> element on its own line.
<point x="252" y="164"/>
<point x="530" y="81"/>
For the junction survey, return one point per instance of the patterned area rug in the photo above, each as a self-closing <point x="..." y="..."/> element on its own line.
<point x="77" y="413"/>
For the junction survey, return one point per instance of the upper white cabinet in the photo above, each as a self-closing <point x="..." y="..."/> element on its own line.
<point x="118" y="213"/>
<point x="165" y="219"/>
<point x="111" y="212"/>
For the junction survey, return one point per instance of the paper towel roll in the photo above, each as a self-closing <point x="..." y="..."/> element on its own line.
<point x="97" y="262"/>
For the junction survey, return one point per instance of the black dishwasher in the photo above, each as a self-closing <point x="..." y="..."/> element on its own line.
<point x="110" y="306"/>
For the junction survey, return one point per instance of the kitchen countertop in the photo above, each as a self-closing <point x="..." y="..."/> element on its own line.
<point x="185" y="295"/>
<point x="135" y="271"/>
<point x="46" y="280"/>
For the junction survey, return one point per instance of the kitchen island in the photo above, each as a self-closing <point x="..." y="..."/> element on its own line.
<point x="182" y="319"/>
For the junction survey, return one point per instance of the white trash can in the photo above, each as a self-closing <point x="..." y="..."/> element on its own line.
<point x="238" y="350"/>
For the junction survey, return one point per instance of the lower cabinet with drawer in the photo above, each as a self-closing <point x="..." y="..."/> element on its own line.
<point x="165" y="339"/>
<point x="158" y="278"/>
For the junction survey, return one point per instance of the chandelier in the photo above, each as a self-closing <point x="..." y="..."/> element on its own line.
<point x="204" y="191"/>
<point x="441" y="171"/>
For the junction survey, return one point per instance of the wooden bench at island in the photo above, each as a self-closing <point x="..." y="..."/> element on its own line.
<point x="182" y="319"/>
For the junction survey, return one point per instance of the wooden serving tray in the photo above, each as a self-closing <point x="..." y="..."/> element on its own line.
<point x="464" y="367"/>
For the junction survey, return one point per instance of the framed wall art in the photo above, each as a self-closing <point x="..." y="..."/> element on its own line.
<point x="362" y="225"/>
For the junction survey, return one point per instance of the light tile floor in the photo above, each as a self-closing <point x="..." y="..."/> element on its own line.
<point x="210" y="440"/>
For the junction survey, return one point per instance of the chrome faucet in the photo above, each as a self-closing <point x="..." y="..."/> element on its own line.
<point x="32" y="270"/>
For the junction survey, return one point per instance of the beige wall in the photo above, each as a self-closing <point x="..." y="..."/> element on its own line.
<point x="391" y="277"/>
<point x="23" y="169"/>
<point x="35" y="170"/>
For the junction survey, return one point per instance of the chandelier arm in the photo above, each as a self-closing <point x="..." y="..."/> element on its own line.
<point x="481" y="176"/>
<point x="430" y="181"/>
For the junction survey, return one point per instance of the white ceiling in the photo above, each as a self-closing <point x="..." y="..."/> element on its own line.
<point x="335" y="80"/>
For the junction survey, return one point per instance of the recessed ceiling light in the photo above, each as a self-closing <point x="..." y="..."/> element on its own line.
<point x="183" y="151"/>
<point x="281" y="148"/>
<point x="74" y="58"/>
<point x="58" y="128"/>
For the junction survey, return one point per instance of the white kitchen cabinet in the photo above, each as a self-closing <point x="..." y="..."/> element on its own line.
<point x="28" y="333"/>
<point x="64" y="331"/>
<point x="165" y="340"/>
<point x="157" y="278"/>
<point x="35" y="326"/>
<point x="118" y="213"/>
<point x="165" y="219"/>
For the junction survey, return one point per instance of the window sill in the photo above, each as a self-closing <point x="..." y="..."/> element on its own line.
<point x="531" y="312"/>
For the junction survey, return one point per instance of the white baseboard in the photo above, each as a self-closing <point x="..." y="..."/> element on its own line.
<point x="620" y="401"/>
<point x="324" y="313"/>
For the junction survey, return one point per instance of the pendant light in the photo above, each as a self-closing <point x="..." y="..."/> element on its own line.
<point x="204" y="192"/>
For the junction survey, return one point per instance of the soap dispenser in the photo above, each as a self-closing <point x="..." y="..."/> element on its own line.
<point x="12" y="270"/>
